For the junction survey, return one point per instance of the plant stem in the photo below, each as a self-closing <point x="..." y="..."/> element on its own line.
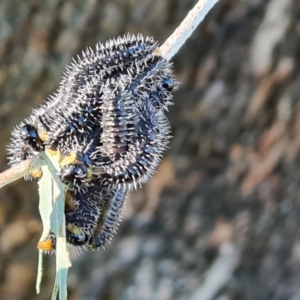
<point x="186" y="28"/>
<point x="20" y="170"/>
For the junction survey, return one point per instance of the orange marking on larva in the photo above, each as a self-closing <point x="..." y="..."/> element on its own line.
<point x="46" y="245"/>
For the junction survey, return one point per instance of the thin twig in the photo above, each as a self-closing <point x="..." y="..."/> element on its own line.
<point x="23" y="168"/>
<point x="186" y="28"/>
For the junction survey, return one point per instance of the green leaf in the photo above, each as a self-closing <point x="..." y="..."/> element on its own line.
<point x="52" y="205"/>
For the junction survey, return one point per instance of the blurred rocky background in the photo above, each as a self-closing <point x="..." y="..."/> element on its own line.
<point x="221" y="218"/>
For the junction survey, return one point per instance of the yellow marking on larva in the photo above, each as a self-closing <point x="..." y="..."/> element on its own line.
<point x="43" y="135"/>
<point x="52" y="152"/>
<point x="70" y="159"/>
<point x="157" y="52"/>
<point x="91" y="246"/>
<point x="90" y="173"/>
<point x="74" y="229"/>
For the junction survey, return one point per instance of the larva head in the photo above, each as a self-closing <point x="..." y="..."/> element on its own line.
<point x="30" y="135"/>
<point x="76" y="236"/>
<point x="168" y="84"/>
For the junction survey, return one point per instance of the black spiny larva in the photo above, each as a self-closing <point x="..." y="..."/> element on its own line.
<point x="92" y="221"/>
<point x="108" y="221"/>
<point x="105" y="223"/>
<point x="109" y="109"/>
<point x="95" y="219"/>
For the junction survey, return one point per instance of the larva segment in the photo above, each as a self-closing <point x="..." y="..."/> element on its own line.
<point x="143" y="155"/>
<point x="108" y="221"/>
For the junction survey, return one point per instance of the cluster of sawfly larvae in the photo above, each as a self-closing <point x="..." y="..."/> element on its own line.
<point x="107" y="123"/>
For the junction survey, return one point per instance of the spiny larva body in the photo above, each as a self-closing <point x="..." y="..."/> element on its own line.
<point x="107" y="121"/>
